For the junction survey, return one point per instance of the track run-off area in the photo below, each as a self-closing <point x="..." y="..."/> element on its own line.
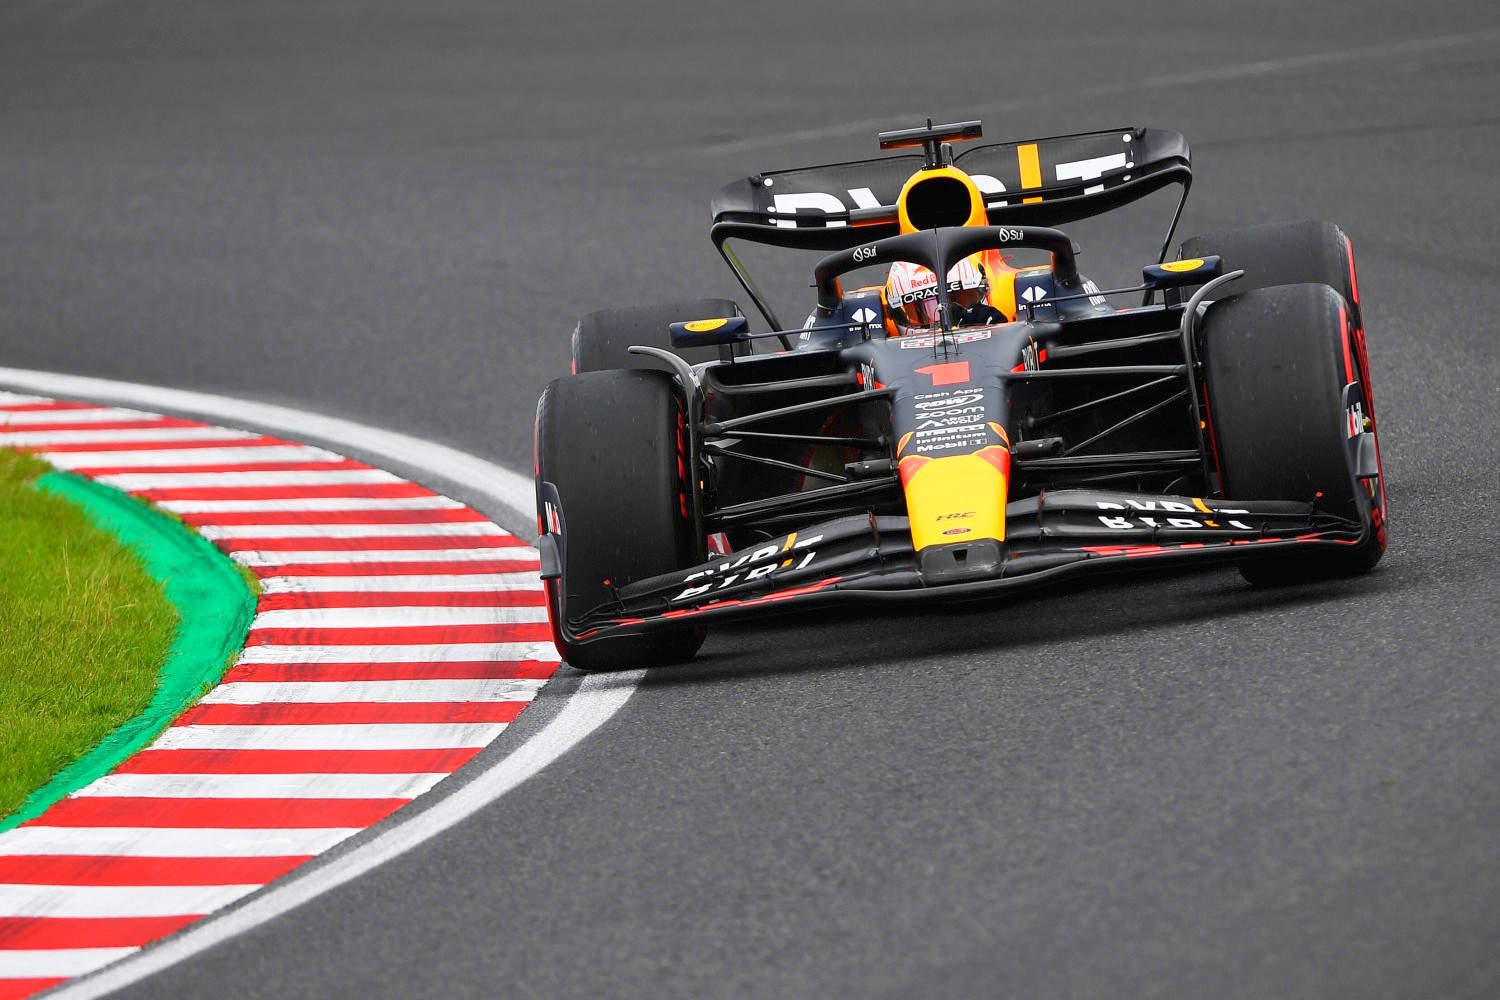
<point x="398" y="632"/>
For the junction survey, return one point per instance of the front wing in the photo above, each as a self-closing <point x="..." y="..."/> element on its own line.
<point x="870" y="559"/>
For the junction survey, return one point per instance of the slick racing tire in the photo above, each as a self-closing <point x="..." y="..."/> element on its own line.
<point x="610" y="458"/>
<point x="1276" y="365"/>
<point x="602" y="340"/>
<point x="1280" y="253"/>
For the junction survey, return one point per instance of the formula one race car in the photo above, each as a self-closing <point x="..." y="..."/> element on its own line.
<point x="925" y="439"/>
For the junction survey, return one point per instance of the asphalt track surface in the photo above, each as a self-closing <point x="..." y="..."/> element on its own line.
<point x="394" y="212"/>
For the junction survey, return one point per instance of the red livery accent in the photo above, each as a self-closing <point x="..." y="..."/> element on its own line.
<point x="952" y="373"/>
<point x="909" y="465"/>
<point x="1353" y="274"/>
<point x="1349" y="374"/>
<point x="997" y="456"/>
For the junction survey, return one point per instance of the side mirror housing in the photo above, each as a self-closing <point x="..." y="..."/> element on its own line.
<point x="1181" y="273"/>
<point x="709" y="332"/>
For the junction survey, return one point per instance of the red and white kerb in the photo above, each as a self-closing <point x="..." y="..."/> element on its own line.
<point x="399" y="632"/>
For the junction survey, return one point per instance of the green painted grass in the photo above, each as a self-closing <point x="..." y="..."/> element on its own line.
<point x="84" y="630"/>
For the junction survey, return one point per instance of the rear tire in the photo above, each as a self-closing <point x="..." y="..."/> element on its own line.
<point x="610" y="444"/>
<point x="602" y="340"/>
<point x="1280" y="253"/>
<point x="1276" y="361"/>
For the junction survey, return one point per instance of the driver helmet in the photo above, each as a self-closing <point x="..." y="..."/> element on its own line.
<point x="911" y="292"/>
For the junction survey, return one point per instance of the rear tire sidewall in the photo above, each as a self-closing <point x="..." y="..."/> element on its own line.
<point x="1281" y="253"/>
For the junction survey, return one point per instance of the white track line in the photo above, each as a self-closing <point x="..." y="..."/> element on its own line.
<point x="452" y="652"/>
<point x="174" y="457"/>
<point x="263" y="786"/>
<point x="21" y="399"/>
<point x="116" y="900"/>
<point x="386" y="692"/>
<point x="308" y="504"/>
<point x="98" y="415"/>
<point x="362" y="618"/>
<point x="457" y="583"/>
<point x="597" y="698"/>
<point x="134" y="481"/>
<point x="364" y="736"/>
<point x="40" y="439"/>
<point x="46" y="963"/>
<point x="501" y="486"/>
<point x="279" y="557"/>
<point x="166" y="842"/>
<point x="438" y="529"/>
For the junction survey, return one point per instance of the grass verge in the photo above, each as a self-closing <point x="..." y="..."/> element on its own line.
<point x="84" y="630"/>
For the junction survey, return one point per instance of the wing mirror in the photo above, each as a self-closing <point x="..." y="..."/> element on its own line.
<point x="708" y="332"/>
<point x="1181" y="273"/>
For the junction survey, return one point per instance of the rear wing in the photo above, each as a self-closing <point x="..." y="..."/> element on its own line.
<point x="1039" y="182"/>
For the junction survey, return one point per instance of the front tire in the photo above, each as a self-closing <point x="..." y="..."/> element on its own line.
<point x="1276" y="363"/>
<point x="611" y="458"/>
